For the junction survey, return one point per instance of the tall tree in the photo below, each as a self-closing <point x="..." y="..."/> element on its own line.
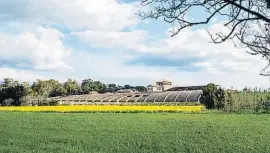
<point x="57" y="89"/>
<point x="8" y="82"/>
<point x="213" y="97"/>
<point x="72" y="87"/>
<point x="11" y="91"/>
<point x="99" y="87"/>
<point x="112" y="88"/>
<point x="87" y="86"/>
<point x="48" y="88"/>
<point x="247" y="21"/>
<point x="42" y="88"/>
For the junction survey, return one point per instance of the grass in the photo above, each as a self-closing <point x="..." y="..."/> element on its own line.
<point x="106" y="132"/>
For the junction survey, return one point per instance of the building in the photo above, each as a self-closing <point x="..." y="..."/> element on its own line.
<point x="160" y="86"/>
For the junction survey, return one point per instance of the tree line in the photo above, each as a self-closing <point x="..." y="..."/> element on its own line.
<point x="15" y="93"/>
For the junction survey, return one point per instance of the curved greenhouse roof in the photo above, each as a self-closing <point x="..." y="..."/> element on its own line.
<point x="168" y="96"/>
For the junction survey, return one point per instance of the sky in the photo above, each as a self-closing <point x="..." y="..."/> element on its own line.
<point x="105" y="40"/>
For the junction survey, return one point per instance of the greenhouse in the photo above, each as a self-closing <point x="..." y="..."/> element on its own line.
<point x="168" y="96"/>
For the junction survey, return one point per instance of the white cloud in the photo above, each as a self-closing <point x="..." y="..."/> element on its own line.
<point x="188" y="44"/>
<point x="224" y="56"/>
<point x="137" y="40"/>
<point x="75" y="14"/>
<point x="112" y="39"/>
<point x="41" y="50"/>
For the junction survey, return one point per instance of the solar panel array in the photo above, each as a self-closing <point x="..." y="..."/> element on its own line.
<point x="168" y="96"/>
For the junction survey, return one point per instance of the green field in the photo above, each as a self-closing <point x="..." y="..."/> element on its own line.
<point x="127" y="132"/>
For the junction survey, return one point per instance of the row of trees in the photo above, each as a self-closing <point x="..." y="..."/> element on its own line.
<point x="256" y="89"/>
<point x="14" y="93"/>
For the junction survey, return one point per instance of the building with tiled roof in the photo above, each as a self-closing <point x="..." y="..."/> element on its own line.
<point x="160" y="86"/>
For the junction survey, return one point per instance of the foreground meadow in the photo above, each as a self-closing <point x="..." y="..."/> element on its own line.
<point x="129" y="132"/>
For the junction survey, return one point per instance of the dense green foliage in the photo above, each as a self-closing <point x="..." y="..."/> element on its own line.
<point x="213" y="97"/>
<point x="196" y="133"/>
<point x="89" y="85"/>
<point x="10" y="94"/>
<point x="72" y="87"/>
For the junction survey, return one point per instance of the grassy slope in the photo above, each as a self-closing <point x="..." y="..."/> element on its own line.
<point x="51" y="132"/>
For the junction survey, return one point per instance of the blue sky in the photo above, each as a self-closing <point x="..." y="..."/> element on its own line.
<point x="105" y="40"/>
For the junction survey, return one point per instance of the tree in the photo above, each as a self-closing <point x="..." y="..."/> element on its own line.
<point x="8" y="82"/>
<point x="99" y="87"/>
<point x="213" y="97"/>
<point x="120" y="87"/>
<point x="87" y="85"/>
<point x="41" y="88"/>
<point x="208" y="96"/>
<point x="112" y="88"/>
<point x="247" y="21"/>
<point x="72" y="87"/>
<point x="141" y="88"/>
<point x="57" y="89"/>
<point x="220" y="102"/>
<point x="11" y="91"/>
<point x="128" y="87"/>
